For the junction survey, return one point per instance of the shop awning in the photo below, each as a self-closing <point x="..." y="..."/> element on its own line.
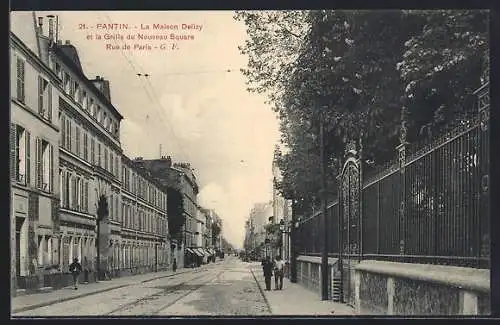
<point x="198" y="252"/>
<point x="206" y="252"/>
<point x="189" y="250"/>
<point x="212" y="251"/>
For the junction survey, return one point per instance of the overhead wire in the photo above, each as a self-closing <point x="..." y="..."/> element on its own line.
<point x="151" y="96"/>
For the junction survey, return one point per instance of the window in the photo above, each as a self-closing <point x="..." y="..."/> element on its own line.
<point x="111" y="161"/>
<point x="92" y="107"/>
<point x="20" y="90"/>
<point x="106" y="158"/>
<point x="57" y="69"/>
<point x="105" y="121"/>
<point x="68" y="134"/>
<point x="85" y="146"/>
<point x="44" y="98"/>
<point x="86" y="197"/>
<point x="67" y="83"/>
<point x="78" y="193"/>
<point x="123" y="213"/>
<point x="84" y="100"/>
<point x="117" y="168"/>
<point x="110" y="207"/>
<point x="62" y="187"/>
<point x="78" y="93"/>
<point x="44" y="161"/>
<point x="99" y="154"/>
<point x="20" y="154"/>
<point x="62" y="139"/>
<point x="99" y="114"/>
<point x="77" y="141"/>
<point x="117" y="204"/>
<point x="73" y="86"/>
<point x="92" y="150"/>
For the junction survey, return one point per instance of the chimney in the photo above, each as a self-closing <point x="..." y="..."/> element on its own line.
<point x="40" y="25"/>
<point x="67" y="42"/>
<point x="51" y="28"/>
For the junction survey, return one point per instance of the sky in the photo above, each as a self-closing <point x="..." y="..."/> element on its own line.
<point x="189" y="107"/>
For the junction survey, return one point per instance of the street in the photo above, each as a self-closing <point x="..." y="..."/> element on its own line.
<point x="225" y="288"/>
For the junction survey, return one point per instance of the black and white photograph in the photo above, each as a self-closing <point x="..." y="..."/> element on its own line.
<point x="247" y="163"/>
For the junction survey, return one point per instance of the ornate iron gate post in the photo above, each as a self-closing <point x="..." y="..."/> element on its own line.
<point x="402" y="198"/>
<point x="484" y="235"/>
<point x="350" y="220"/>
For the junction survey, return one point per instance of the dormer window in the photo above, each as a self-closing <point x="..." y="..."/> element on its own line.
<point x="92" y="107"/>
<point x="77" y="94"/>
<point x="99" y="114"/>
<point x="84" y="101"/>
<point x="66" y="82"/>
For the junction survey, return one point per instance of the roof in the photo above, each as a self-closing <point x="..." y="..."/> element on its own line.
<point x="72" y="54"/>
<point x="70" y="58"/>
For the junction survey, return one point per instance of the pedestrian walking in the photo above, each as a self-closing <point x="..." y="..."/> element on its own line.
<point x="267" y="267"/>
<point x="279" y="267"/>
<point x="86" y="269"/>
<point x="174" y="265"/>
<point x="75" y="268"/>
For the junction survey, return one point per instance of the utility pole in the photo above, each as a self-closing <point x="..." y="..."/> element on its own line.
<point x="324" y="255"/>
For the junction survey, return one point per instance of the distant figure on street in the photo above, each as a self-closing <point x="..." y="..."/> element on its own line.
<point x="75" y="268"/>
<point x="279" y="267"/>
<point x="86" y="269"/>
<point x="267" y="267"/>
<point x="174" y="265"/>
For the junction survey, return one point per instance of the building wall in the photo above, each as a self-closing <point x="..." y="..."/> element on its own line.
<point x="33" y="162"/>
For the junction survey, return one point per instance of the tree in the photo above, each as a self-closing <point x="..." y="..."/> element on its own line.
<point x="357" y="72"/>
<point x="175" y="212"/>
<point x="442" y="66"/>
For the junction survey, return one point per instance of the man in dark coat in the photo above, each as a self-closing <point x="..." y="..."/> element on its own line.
<point x="75" y="268"/>
<point x="267" y="267"/>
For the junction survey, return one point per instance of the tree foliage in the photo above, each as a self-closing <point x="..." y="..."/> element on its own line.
<point x="175" y="213"/>
<point x="356" y="72"/>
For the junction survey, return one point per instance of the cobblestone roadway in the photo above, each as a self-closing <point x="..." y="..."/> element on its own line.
<point x="225" y="289"/>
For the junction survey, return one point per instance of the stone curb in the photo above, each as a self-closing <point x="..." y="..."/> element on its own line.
<point x="262" y="291"/>
<point x="56" y="301"/>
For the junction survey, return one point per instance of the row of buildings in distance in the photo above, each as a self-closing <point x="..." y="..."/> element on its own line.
<point x="65" y="152"/>
<point x="259" y="240"/>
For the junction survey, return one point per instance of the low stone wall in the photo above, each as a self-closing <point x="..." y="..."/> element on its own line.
<point x="390" y="288"/>
<point x="309" y="272"/>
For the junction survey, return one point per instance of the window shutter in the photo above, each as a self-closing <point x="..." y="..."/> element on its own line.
<point x="63" y="189"/>
<point x="39" y="163"/>
<point x="87" y="196"/>
<point x="20" y="80"/>
<point x="63" y="131"/>
<point x="51" y="168"/>
<point x="70" y="137"/>
<point x="28" y="158"/>
<point x="67" y="190"/>
<point x="40" y="95"/>
<point x="49" y="103"/>
<point x="13" y="151"/>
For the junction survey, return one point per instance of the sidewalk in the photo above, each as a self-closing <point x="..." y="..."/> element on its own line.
<point x="37" y="300"/>
<point x="297" y="300"/>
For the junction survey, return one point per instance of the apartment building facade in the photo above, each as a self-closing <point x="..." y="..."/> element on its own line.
<point x="34" y="160"/>
<point x="90" y="166"/>
<point x="144" y="244"/>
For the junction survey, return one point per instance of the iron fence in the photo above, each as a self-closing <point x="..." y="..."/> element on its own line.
<point x="429" y="206"/>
